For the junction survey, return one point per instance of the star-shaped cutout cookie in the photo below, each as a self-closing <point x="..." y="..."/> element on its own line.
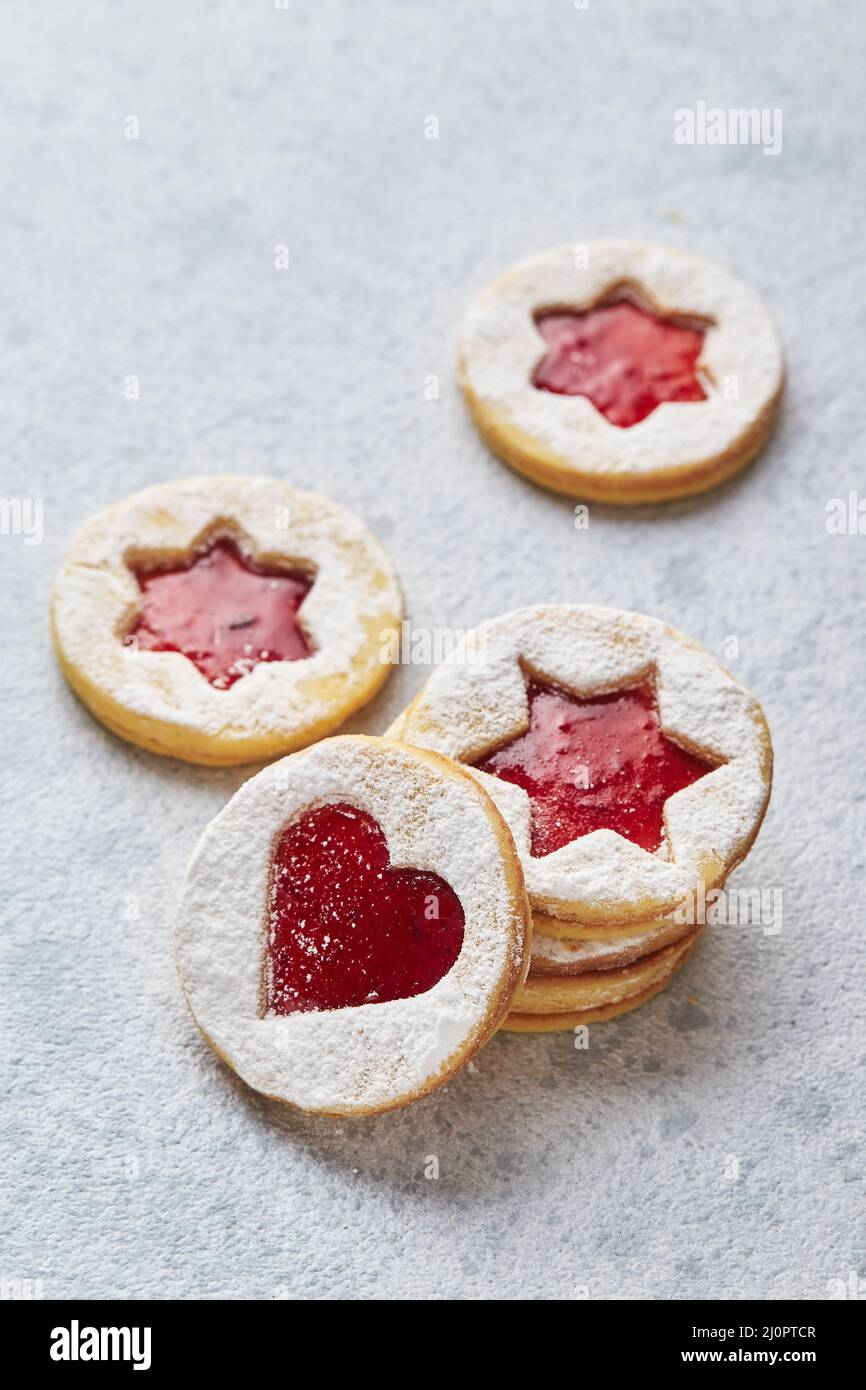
<point x="222" y="611"/>
<point x="597" y="763"/>
<point x="623" y="358"/>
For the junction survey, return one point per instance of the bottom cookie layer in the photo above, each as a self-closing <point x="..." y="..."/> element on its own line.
<point x="557" y="1023"/>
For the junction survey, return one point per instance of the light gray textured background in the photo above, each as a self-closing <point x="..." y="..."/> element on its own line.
<point x="135" y="1164"/>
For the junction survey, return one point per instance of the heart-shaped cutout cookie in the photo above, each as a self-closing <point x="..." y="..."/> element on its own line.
<point x="344" y="927"/>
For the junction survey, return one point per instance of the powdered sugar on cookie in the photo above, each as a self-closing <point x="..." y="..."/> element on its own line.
<point x="378" y="1055"/>
<point x="741" y="365"/>
<point x="160" y="694"/>
<point x="554" y="955"/>
<point x="467" y="709"/>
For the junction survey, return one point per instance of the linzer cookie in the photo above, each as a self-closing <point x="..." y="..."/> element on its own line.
<point x="622" y="372"/>
<point x="634" y="773"/>
<point x="629" y="765"/>
<point x="224" y="619"/>
<point x="353" y="926"/>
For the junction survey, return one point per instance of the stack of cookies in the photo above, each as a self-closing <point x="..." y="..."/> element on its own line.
<point x="525" y="849"/>
<point x="633" y="773"/>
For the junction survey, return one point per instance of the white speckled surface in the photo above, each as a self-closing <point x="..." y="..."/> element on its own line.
<point x="134" y="1163"/>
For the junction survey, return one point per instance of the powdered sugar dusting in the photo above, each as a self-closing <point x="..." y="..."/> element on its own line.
<point x="355" y="594"/>
<point x="501" y="347"/>
<point x="559" y="955"/>
<point x="466" y="709"/>
<point x="374" y="1055"/>
<point x="558" y="951"/>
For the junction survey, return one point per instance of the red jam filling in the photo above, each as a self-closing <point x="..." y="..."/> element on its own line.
<point x="222" y="611"/>
<point x="344" y="927"/>
<point x="623" y="358"/>
<point x="601" y="763"/>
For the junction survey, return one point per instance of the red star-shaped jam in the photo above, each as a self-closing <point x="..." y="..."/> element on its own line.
<point x="597" y="763"/>
<point x="623" y="358"/>
<point x="345" y="927"/>
<point x="222" y="611"/>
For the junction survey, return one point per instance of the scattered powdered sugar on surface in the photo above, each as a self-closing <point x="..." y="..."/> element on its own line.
<point x="501" y="347"/>
<point x="373" y="1054"/>
<point x="355" y="594"/>
<point x="135" y="1166"/>
<point x="466" y="709"/>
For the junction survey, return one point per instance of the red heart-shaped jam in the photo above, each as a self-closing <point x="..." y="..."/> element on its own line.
<point x="344" y="928"/>
<point x="222" y="611"/>
<point x="626" y="360"/>
<point x="601" y="763"/>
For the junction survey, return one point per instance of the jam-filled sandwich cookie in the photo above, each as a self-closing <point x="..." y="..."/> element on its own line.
<point x="224" y="619"/>
<point x="631" y="768"/>
<point x="353" y="926"/>
<point x="570" y="948"/>
<point x="622" y="372"/>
